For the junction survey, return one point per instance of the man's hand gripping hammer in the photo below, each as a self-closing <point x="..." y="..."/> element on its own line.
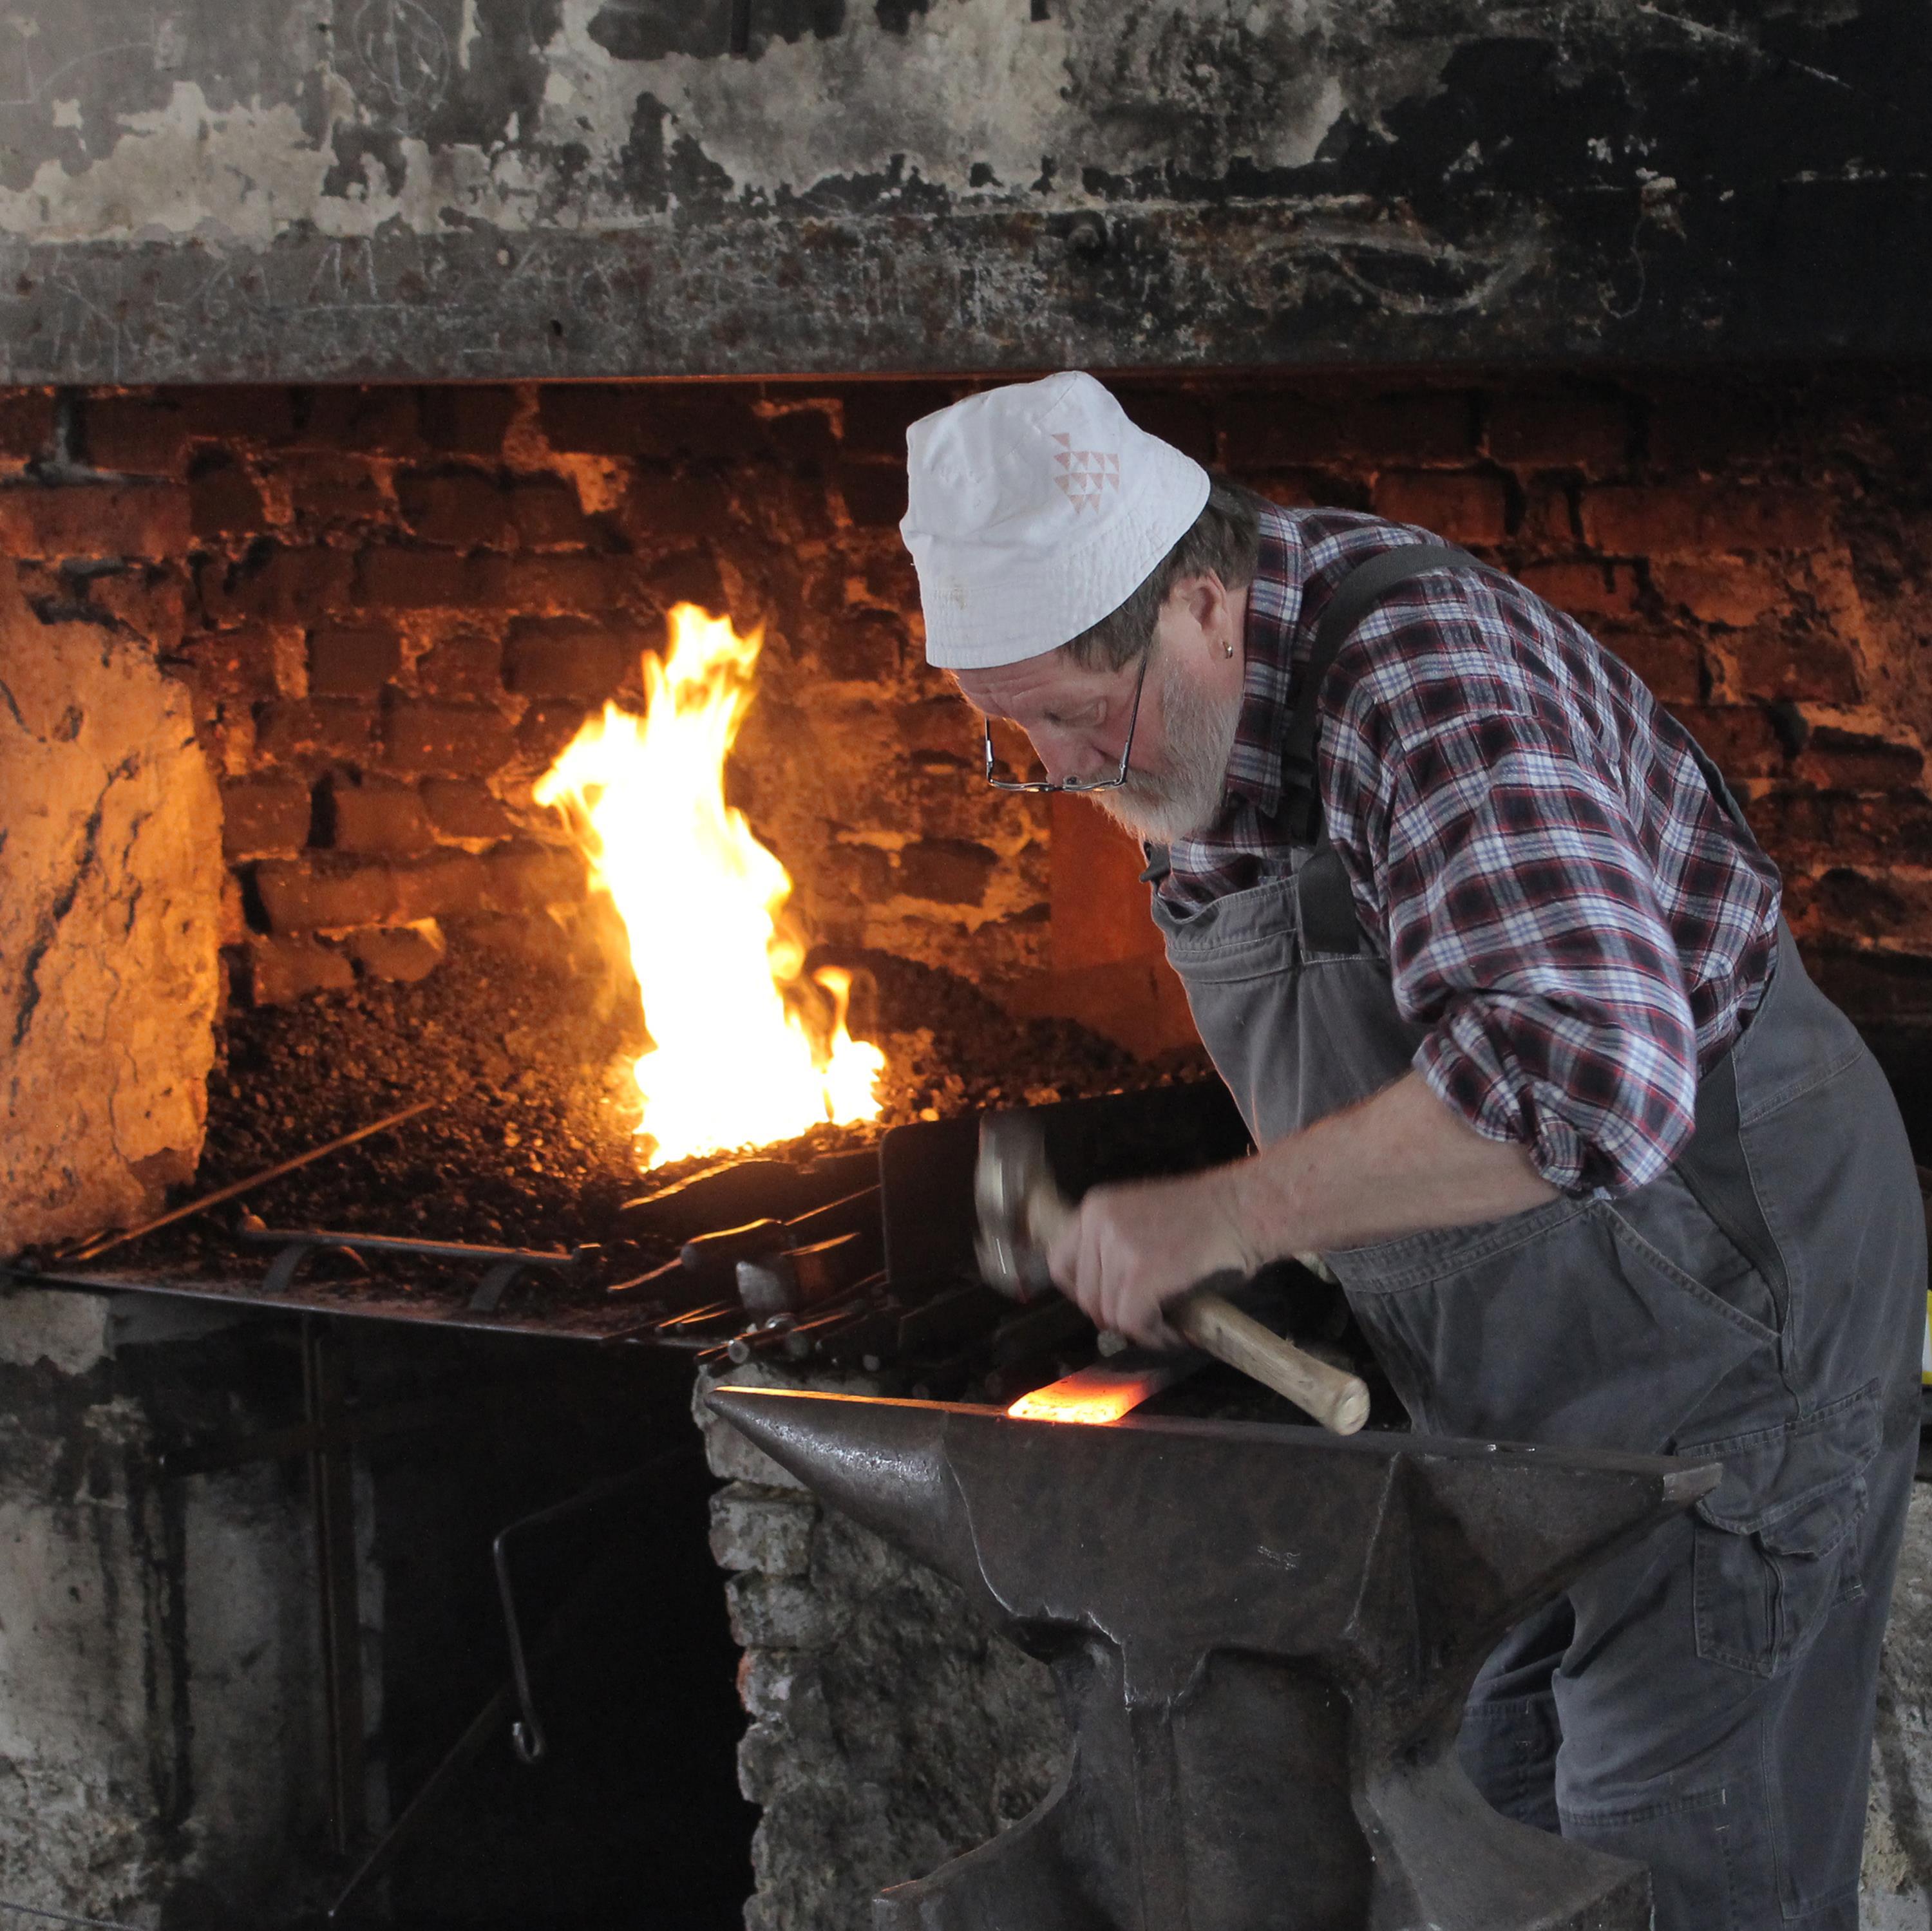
<point x="1022" y="1212"/>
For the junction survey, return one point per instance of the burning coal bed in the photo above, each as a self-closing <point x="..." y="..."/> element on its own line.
<point x="624" y="1098"/>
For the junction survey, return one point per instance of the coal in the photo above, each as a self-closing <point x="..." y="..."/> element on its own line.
<point x="531" y="1144"/>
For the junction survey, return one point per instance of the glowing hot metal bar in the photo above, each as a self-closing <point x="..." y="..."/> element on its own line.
<point x="1105" y="1392"/>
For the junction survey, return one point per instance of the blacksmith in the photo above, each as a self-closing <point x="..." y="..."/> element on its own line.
<point x="1481" y="943"/>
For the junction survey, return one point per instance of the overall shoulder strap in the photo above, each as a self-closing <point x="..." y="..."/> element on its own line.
<point x="1357" y="593"/>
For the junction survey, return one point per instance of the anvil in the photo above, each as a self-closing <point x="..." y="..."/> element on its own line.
<point x="1263" y="1637"/>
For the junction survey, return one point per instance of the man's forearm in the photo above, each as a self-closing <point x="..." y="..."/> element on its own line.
<point x="1399" y="1163"/>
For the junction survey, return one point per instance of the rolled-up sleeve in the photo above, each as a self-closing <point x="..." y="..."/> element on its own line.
<point x="1524" y="933"/>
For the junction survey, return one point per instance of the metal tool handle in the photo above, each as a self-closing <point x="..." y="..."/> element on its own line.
<point x="1338" y="1400"/>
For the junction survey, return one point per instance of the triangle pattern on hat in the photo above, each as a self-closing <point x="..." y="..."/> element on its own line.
<point x="1084" y="473"/>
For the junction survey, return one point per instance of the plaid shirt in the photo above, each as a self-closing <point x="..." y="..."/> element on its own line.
<point x="1576" y="920"/>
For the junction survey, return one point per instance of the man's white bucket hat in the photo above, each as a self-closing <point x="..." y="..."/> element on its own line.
<point x="1034" y="511"/>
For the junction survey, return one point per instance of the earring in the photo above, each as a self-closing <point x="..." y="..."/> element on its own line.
<point x="1227" y="650"/>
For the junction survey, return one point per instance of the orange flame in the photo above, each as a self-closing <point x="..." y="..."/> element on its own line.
<point x="733" y="1062"/>
<point x="1095" y="1396"/>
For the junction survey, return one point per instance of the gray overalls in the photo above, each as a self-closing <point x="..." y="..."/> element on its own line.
<point x="1703" y="1703"/>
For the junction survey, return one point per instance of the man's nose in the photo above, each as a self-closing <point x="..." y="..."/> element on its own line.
<point x="1065" y="754"/>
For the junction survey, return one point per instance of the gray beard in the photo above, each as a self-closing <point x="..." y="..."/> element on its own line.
<point x="1185" y="799"/>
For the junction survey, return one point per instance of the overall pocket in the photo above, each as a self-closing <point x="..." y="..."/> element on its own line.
<point x="1777" y="1541"/>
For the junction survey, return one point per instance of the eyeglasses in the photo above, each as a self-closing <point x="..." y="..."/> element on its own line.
<point x="1038" y="784"/>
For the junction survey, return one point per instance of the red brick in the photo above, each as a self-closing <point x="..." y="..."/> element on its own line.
<point x="324" y="896"/>
<point x="465" y="418"/>
<point x="1810" y="667"/>
<point x="714" y="421"/>
<point x="377" y="819"/>
<point x="874" y="494"/>
<point x="541" y="943"/>
<point x="244" y="412"/>
<point x="450" y="884"/>
<point x="1566" y="428"/>
<point x="231" y="663"/>
<point x="462" y="507"/>
<point x="467" y="665"/>
<point x="324" y="731"/>
<point x="565" y="657"/>
<point x="380" y="420"/>
<point x="1686" y="520"/>
<point x="876" y="415"/>
<point x="263" y="817"/>
<point x="1741" y="738"/>
<point x="469" y="510"/>
<point x="143" y="434"/>
<point x="691" y="578"/>
<point x="1584" y="589"/>
<point x="1466" y="509"/>
<point x="1308" y="489"/>
<point x="1736" y="594"/>
<point x="1844" y="901"/>
<point x="423" y="579"/>
<point x="455" y="740"/>
<point x="800" y="434"/>
<point x="664" y="506"/>
<point x="545" y="730"/>
<point x="582" y="584"/>
<point x="417" y="580"/>
<point x="1799" y="827"/>
<point x="529" y="877"/>
<point x="333" y="489"/>
<point x="1183" y="417"/>
<point x="151" y="599"/>
<point x="352" y="663"/>
<point x="403" y="953"/>
<point x="864" y="646"/>
<point x="461" y="810"/>
<point x="1845" y="760"/>
<point x="1419" y="427"/>
<point x="274" y="584"/>
<point x="1712" y="423"/>
<point x="951" y="872"/>
<point x="1671" y="662"/>
<point x="26" y="423"/>
<point x="548" y="515"/>
<point x="93" y="519"/>
<point x="1548" y="522"/>
<point x="231" y="921"/>
<point x="281" y="971"/>
<point x="224" y="500"/>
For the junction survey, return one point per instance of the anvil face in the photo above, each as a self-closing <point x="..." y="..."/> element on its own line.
<point x="1263" y="1636"/>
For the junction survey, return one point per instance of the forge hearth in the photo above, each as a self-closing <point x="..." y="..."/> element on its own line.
<point x="1262" y="1637"/>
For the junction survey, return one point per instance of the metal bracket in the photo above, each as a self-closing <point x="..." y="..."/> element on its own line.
<point x="527" y="1732"/>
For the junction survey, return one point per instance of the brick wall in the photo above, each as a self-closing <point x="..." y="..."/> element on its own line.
<point x="393" y="607"/>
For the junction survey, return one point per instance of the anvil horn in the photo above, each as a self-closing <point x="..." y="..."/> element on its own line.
<point x="883" y="1463"/>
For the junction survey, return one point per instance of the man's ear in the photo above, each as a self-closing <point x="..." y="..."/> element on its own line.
<point x="1204" y="598"/>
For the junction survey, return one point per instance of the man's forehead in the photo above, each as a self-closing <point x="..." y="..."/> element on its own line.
<point x="1034" y="679"/>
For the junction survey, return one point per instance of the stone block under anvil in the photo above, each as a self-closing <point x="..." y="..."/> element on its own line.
<point x="1263" y="1636"/>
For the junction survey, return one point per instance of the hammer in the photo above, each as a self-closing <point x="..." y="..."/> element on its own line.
<point x="1022" y="1212"/>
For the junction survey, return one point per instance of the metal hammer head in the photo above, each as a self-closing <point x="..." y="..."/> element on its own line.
<point x="1011" y="1185"/>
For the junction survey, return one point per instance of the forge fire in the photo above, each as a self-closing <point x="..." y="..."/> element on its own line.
<point x="741" y="1051"/>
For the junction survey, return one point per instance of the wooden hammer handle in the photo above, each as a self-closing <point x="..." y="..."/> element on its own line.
<point x="1339" y="1402"/>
